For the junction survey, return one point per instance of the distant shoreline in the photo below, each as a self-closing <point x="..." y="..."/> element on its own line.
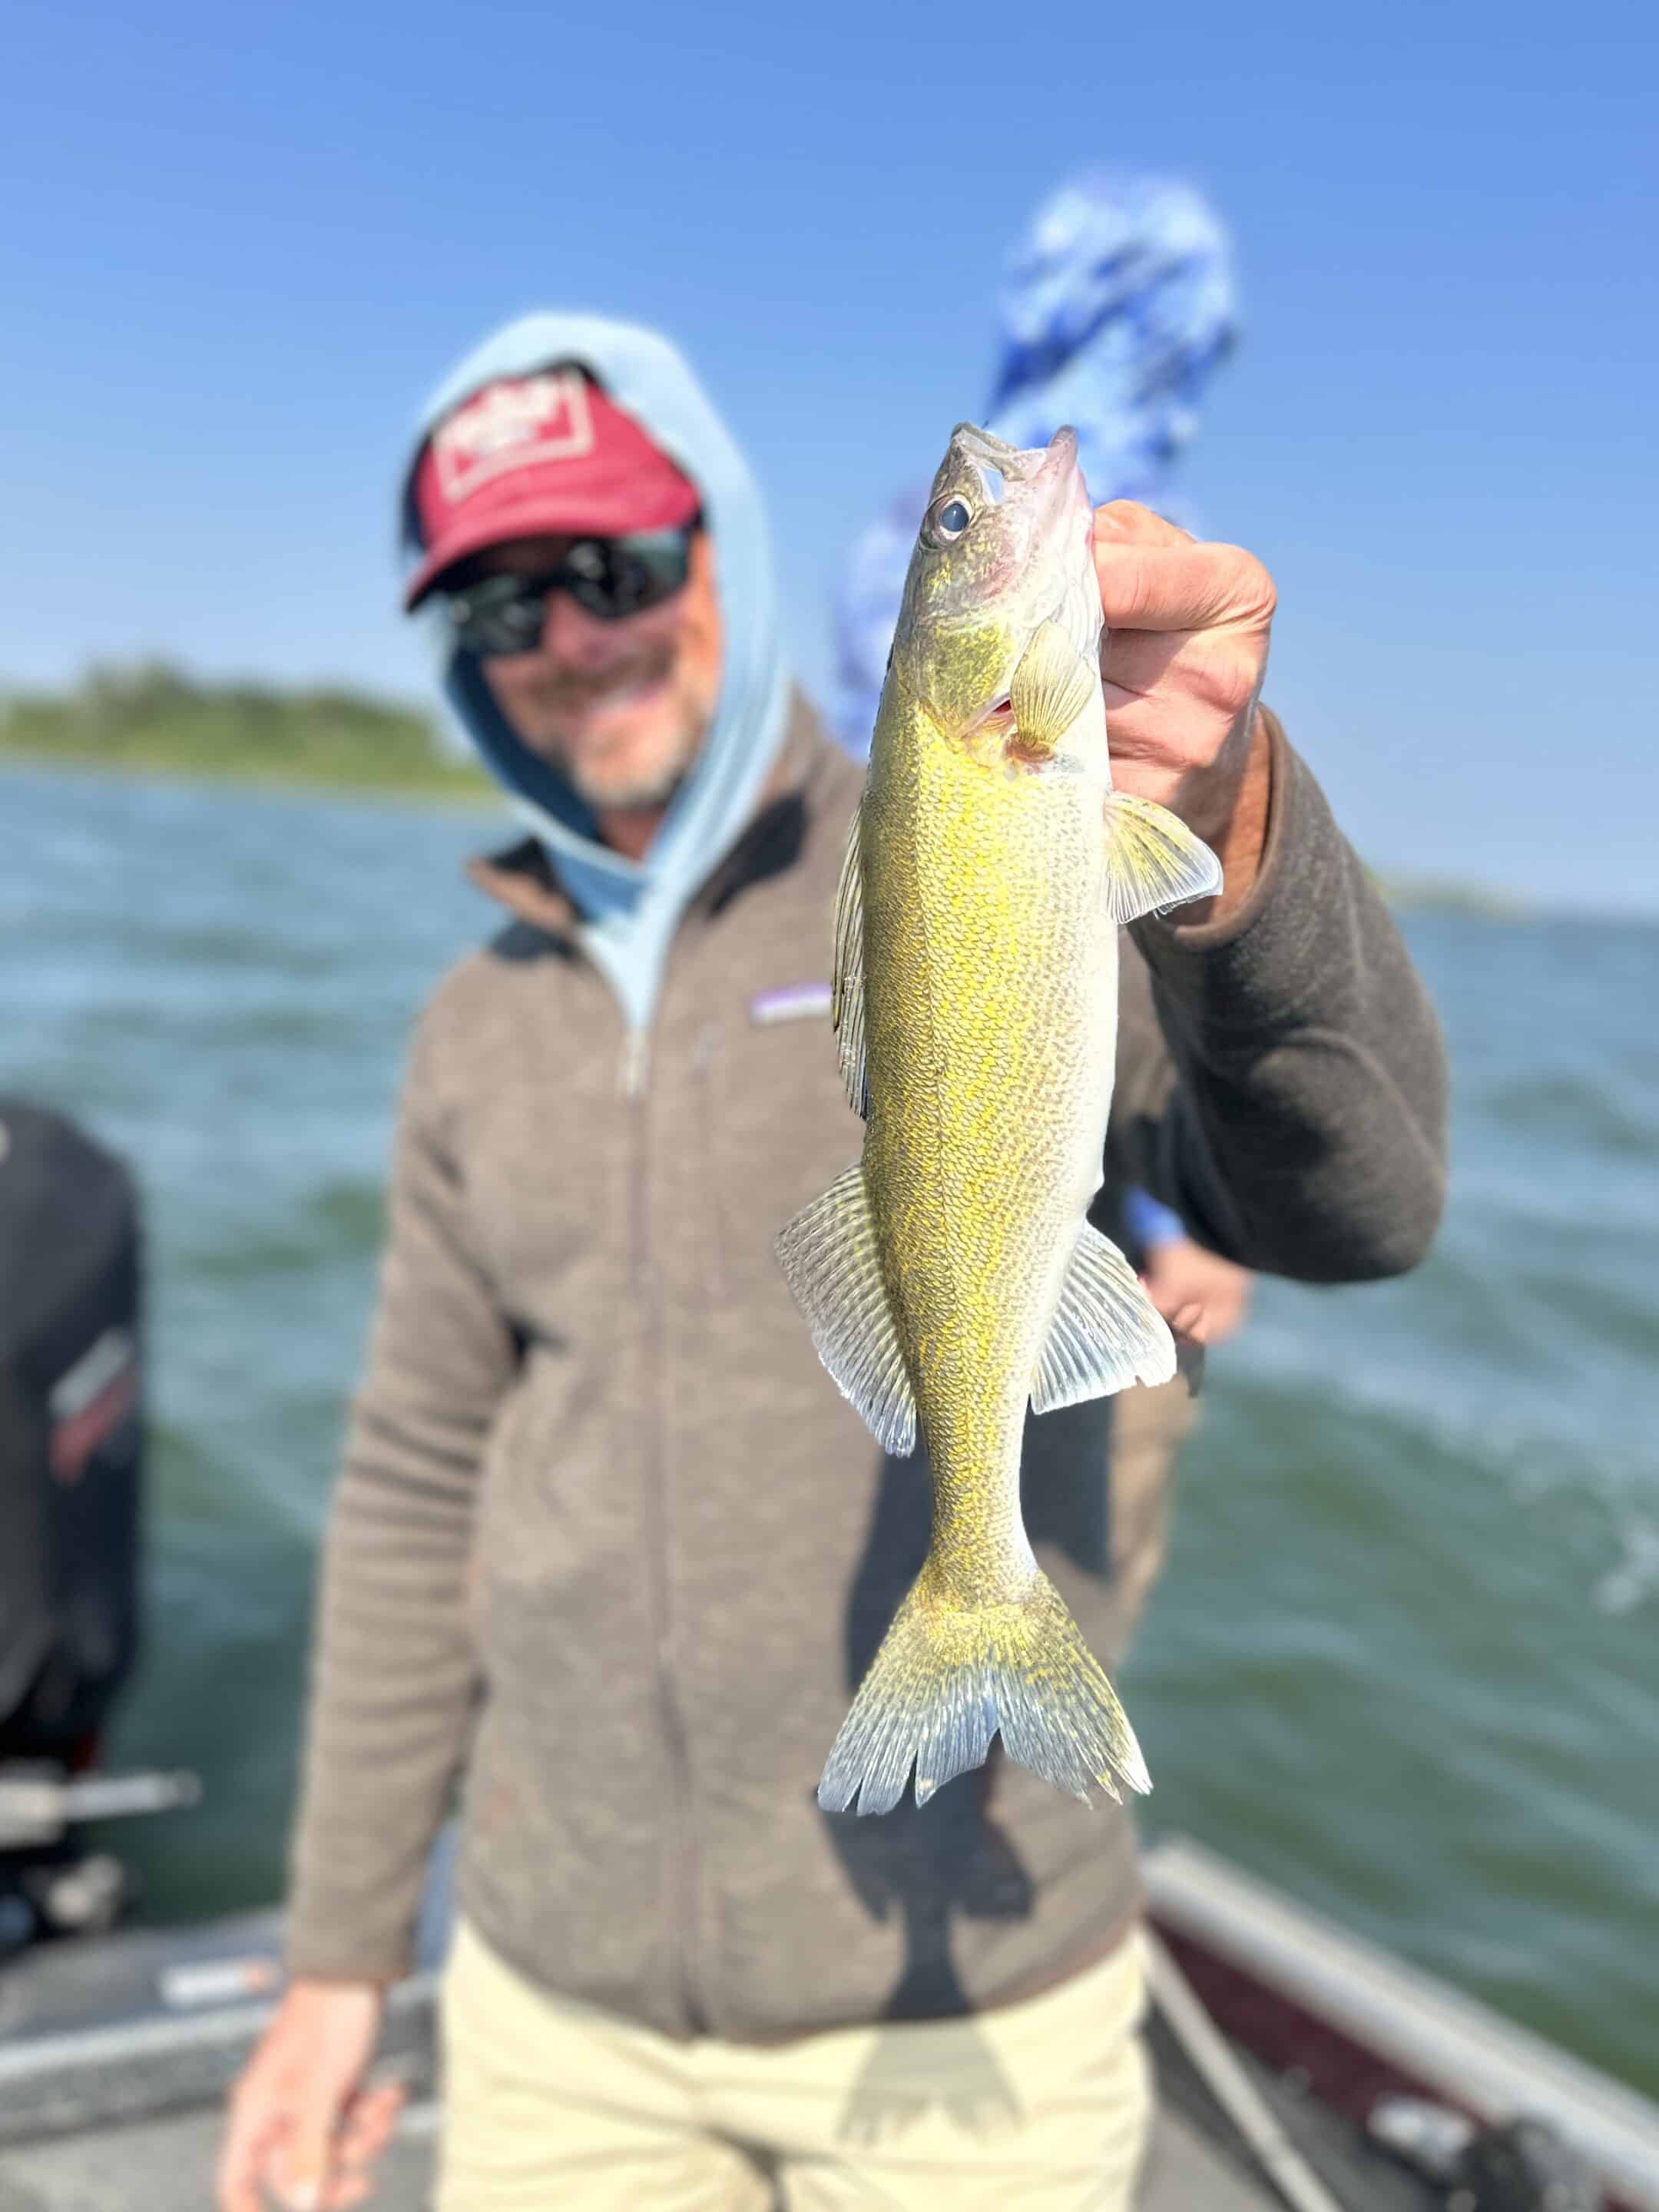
<point x="464" y="786"/>
<point x="461" y="785"/>
<point x="150" y="718"/>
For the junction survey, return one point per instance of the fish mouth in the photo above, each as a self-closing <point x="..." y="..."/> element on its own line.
<point x="1060" y="478"/>
<point x="1061" y="456"/>
<point x="1018" y="464"/>
<point x="1041" y="542"/>
<point x="989" y="451"/>
<point x="1051" y="471"/>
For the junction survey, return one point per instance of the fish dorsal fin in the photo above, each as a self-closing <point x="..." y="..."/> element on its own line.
<point x="847" y="990"/>
<point x="1050" y="689"/>
<point x="829" y="1261"/>
<point x="1106" y="1332"/>
<point x="1154" y="862"/>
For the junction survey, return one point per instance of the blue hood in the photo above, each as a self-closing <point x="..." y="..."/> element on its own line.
<point x="1117" y="306"/>
<point x="630" y="908"/>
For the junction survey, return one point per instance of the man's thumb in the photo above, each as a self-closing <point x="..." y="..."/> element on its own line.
<point x="1126" y="522"/>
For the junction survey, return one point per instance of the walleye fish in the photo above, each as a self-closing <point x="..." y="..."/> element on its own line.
<point x="950" y="1275"/>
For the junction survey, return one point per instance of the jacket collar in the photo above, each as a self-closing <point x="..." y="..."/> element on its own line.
<point x="523" y="878"/>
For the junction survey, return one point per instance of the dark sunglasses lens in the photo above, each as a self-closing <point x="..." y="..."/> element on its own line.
<point x="610" y="577"/>
<point x="619" y="576"/>
<point x="503" y="613"/>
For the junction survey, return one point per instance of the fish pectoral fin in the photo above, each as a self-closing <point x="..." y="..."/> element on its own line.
<point x="847" y="987"/>
<point x="1051" y="687"/>
<point x="829" y="1261"/>
<point x="1154" y="862"/>
<point x="1106" y="1332"/>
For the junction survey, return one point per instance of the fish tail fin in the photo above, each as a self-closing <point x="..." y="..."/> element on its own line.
<point x="949" y="1676"/>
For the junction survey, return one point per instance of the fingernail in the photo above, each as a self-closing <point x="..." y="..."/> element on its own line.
<point x="303" y="2196"/>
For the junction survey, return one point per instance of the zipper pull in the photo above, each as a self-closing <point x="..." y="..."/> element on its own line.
<point x="635" y="1063"/>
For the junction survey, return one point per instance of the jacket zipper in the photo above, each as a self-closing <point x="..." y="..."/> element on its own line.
<point x="702" y="1068"/>
<point x="634" y="1070"/>
<point x="680" y="1883"/>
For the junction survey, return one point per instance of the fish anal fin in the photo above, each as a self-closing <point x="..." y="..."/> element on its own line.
<point x="1106" y="1333"/>
<point x="1153" y="860"/>
<point x="831" y="1264"/>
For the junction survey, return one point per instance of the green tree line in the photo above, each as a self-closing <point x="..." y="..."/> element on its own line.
<point x="150" y="715"/>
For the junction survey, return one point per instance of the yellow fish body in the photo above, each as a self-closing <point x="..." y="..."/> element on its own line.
<point x="951" y="1276"/>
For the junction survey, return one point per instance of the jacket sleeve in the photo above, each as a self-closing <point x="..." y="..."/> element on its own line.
<point x="393" y="1676"/>
<point x="1281" y="1079"/>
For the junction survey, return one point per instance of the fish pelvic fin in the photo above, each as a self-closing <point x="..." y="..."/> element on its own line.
<point x="829" y="1261"/>
<point x="948" y="1677"/>
<point x="1051" y="687"/>
<point x="1154" y="862"/>
<point x="1106" y="1333"/>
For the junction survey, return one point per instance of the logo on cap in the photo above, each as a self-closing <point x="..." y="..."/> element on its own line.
<point x="517" y="424"/>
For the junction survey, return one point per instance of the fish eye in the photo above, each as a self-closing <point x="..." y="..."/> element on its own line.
<point x="947" y="521"/>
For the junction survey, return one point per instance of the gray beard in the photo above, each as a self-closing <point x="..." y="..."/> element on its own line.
<point x="609" y="795"/>
<point x="642" y="793"/>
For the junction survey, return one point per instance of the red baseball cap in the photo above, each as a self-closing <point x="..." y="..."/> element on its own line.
<point x="540" y="456"/>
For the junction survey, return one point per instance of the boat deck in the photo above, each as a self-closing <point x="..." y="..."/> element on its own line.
<point x="1195" y="2162"/>
<point x="115" y="2056"/>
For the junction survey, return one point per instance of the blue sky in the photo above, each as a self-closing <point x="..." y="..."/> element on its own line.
<point x="244" y="241"/>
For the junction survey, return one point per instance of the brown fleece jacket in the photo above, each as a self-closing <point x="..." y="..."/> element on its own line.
<point x="610" y="1546"/>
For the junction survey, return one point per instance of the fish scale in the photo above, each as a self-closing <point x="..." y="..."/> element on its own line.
<point x="976" y="1152"/>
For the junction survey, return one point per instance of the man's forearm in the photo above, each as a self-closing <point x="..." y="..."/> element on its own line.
<point x="392" y="1694"/>
<point x="1294" y="1115"/>
<point x="393" y="1679"/>
<point x="1233" y="823"/>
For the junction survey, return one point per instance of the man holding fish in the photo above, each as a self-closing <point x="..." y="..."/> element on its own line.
<point x="608" y="1546"/>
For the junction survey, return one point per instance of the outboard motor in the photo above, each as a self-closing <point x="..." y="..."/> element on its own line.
<point x="70" y="1464"/>
<point x="69" y="1431"/>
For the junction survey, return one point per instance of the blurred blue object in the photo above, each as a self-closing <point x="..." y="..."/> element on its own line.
<point x="1118" y="303"/>
<point x="1149" y="1223"/>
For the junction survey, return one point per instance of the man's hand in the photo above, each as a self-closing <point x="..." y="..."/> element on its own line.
<point x="304" y="2132"/>
<point x="1200" y="1295"/>
<point x="1182" y="659"/>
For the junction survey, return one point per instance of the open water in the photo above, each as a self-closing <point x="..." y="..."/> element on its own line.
<point x="1404" y="1659"/>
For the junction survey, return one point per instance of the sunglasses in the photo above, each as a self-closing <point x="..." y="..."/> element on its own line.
<point x="610" y="577"/>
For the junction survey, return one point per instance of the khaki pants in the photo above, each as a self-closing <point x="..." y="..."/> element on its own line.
<point x="1042" y="2105"/>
